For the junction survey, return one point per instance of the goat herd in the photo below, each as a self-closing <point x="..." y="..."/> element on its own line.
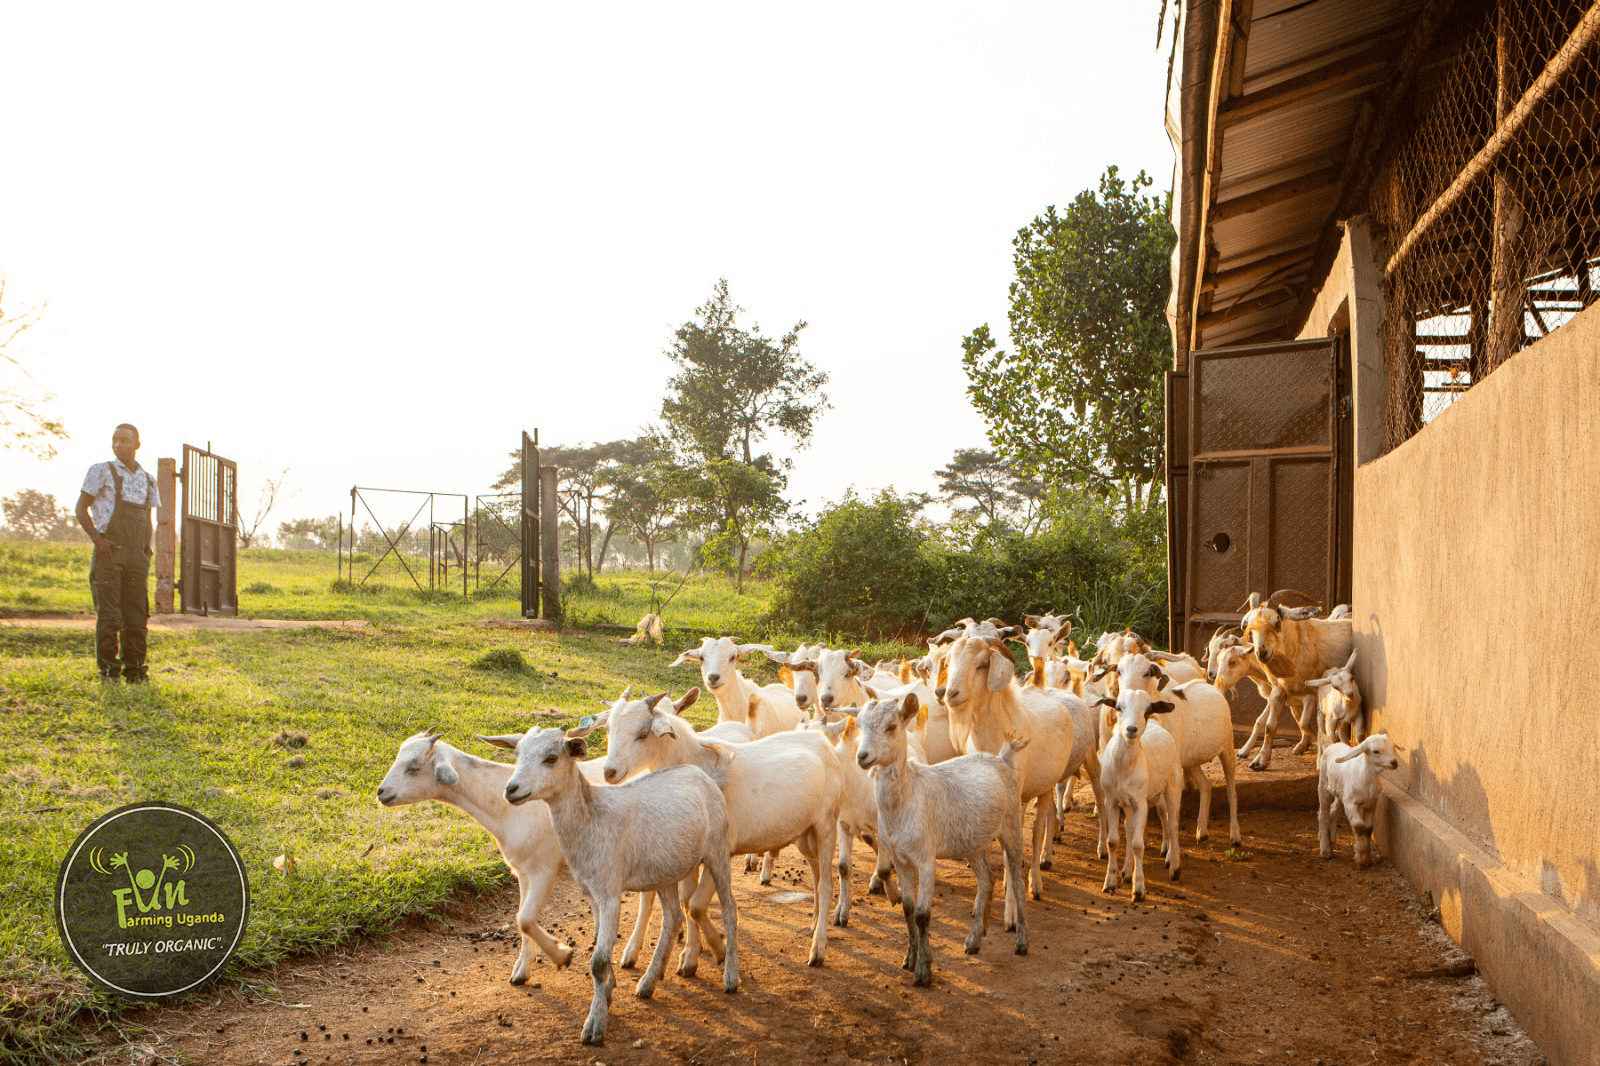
<point x="922" y="760"/>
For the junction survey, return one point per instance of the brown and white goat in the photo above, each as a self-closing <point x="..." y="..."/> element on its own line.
<point x="1294" y="647"/>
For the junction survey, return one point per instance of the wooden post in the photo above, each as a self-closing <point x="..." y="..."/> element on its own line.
<point x="166" y="534"/>
<point x="549" y="546"/>
<point x="1506" y="268"/>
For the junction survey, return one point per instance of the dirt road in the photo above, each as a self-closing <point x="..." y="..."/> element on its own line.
<point x="1274" y="957"/>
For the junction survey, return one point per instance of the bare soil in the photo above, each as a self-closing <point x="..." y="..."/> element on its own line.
<point x="1272" y="955"/>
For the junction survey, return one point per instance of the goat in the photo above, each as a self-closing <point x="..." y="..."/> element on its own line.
<point x="719" y="669"/>
<point x="428" y="768"/>
<point x="858" y="811"/>
<point x="1347" y="779"/>
<point x="949" y="810"/>
<point x="986" y="705"/>
<point x="1339" y="709"/>
<point x="1294" y="646"/>
<point x="842" y="680"/>
<point x="1139" y="765"/>
<point x="1202" y="726"/>
<point x="1230" y="662"/>
<point x="780" y="789"/>
<point x="797" y="670"/>
<point x="648" y="834"/>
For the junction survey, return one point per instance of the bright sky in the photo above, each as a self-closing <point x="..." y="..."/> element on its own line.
<point x="372" y="243"/>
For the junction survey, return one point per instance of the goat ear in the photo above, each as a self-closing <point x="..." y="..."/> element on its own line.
<point x="1106" y="701"/>
<point x="786" y="676"/>
<point x="859" y="668"/>
<point x="508" y="740"/>
<point x="444" y="772"/>
<point x="1351" y="662"/>
<point x="777" y="656"/>
<point x="1031" y="621"/>
<point x="872" y="693"/>
<point x="577" y="747"/>
<point x="692" y="655"/>
<point x="1002" y="669"/>
<point x="1359" y="749"/>
<point x="835" y="730"/>
<point x="687" y="700"/>
<point x="1162" y="678"/>
<point x="1317" y="682"/>
<point x="908" y="705"/>
<point x="1162" y="707"/>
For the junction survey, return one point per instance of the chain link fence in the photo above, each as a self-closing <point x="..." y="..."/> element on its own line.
<point x="1487" y="203"/>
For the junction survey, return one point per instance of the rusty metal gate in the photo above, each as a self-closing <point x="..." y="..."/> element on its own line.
<point x="1258" y="441"/>
<point x="208" y="567"/>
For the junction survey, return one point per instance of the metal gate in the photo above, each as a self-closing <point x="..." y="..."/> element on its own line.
<point x="1258" y="449"/>
<point x="208" y="570"/>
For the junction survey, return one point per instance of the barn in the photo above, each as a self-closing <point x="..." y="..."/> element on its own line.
<point x="1386" y="391"/>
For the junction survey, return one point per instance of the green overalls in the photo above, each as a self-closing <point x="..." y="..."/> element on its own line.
<point x="121" y="583"/>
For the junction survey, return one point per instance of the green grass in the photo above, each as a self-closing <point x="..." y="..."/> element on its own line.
<point x="273" y="583"/>
<point x="201" y="735"/>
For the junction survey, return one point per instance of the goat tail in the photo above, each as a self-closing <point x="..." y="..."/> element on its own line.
<point x="1013" y="744"/>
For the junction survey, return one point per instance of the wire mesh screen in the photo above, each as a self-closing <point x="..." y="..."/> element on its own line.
<point x="1489" y="201"/>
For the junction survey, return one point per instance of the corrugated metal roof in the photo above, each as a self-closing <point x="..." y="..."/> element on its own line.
<point x="1307" y="67"/>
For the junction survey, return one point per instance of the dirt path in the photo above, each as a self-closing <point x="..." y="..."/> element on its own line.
<point x="1278" y="958"/>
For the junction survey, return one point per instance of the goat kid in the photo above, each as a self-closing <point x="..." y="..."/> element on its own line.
<point x="1347" y="780"/>
<point x="1139" y="766"/>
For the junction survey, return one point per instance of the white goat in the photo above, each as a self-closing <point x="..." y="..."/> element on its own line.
<point x="719" y="658"/>
<point x="782" y="789"/>
<point x="1138" y="766"/>
<point x="843" y="680"/>
<point x="951" y="810"/>
<point x="1347" y="779"/>
<point x="648" y="834"/>
<point x="858" y="812"/>
<point x="427" y="768"/>
<point x="797" y="670"/>
<point x="1294" y="646"/>
<point x="1202" y="724"/>
<point x="987" y="705"/>
<point x="1339" y="709"/>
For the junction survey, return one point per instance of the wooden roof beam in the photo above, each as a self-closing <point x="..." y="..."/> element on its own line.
<point x="1261" y="268"/>
<point x="1245" y="308"/>
<point x="1317" y="181"/>
<point x="1338" y="74"/>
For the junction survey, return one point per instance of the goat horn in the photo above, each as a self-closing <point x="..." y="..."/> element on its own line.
<point x="1277" y="597"/>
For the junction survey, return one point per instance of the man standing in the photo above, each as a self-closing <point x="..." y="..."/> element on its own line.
<point x="114" y="509"/>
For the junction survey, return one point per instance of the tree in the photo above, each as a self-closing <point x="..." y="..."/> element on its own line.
<point x="310" y="533"/>
<point x="1001" y="497"/>
<point x="266" y="499"/>
<point x="733" y="388"/>
<point x="24" y="422"/>
<point x="1079" y="400"/>
<point x="642" y="501"/>
<point x="33" y="515"/>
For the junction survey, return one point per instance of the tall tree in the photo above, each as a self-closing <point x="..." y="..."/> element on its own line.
<point x="1079" y="400"/>
<point x="642" y="500"/>
<point x="734" y="388"/>
<point x="1001" y="497"/>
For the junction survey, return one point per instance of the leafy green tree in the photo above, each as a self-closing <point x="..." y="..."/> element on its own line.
<point x="734" y="388"/>
<point x="33" y="515"/>
<point x="641" y="498"/>
<point x="314" y="533"/>
<point x="1079" y="399"/>
<point x="1000" y="497"/>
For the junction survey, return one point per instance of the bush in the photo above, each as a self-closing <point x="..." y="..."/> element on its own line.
<point x="874" y="569"/>
<point x="863" y="568"/>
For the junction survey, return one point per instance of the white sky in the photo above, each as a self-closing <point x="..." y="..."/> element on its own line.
<point x="373" y="242"/>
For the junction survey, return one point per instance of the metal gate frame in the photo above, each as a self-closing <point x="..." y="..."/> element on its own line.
<point x="209" y="565"/>
<point x="1243" y="441"/>
<point x="530" y="525"/>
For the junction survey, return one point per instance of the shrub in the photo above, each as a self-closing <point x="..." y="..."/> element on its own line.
<point x="504" y="660"/>
<point x="863" y="568"/>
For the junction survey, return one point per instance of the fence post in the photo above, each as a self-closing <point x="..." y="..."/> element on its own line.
<point x="549" y="545"/>
<point x="166" y="533"/>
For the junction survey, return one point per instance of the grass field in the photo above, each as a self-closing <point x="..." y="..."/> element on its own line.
<point x="201" y="734"/>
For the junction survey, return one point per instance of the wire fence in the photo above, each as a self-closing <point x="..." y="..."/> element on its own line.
<point x="1488" y="203"/>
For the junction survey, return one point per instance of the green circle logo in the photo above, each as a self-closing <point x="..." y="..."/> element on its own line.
<point x="152" y="900"/>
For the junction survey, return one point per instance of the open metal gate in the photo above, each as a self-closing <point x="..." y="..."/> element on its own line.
<point x="1258" y="441"/>
<point x="208" y="567"/>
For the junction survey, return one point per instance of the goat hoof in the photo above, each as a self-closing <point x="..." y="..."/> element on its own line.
<point x="815" y="961"/>
<point x="688" y="969"/>
<point x="518" y="980"/>
<point x="1046" y="864"/>
<point x="1177" y="873"/>
<point x="1138" y="897"/>
<point x="1258" y="766"/>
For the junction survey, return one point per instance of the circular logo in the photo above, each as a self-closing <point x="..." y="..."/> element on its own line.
<point x="152" y="900"/>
